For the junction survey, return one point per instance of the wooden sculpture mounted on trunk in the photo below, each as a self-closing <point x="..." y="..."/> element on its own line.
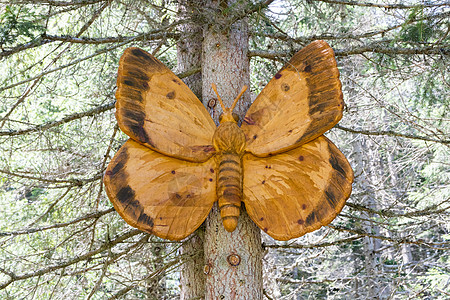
<point x="177" y="163"/>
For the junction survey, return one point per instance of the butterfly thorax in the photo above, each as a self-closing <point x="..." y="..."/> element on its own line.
<point x="229" y="142"/>
<point x="229" y="138"/>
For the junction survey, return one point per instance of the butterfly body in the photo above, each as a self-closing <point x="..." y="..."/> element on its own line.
<point x="229" y="142"/>
<point x="177" y="163"/>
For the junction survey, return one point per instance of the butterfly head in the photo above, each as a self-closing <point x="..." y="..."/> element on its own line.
<point x="228" y="115"/>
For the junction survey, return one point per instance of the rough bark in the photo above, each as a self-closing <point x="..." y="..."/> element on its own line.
<point x="192" y="278"/>
<point x="233" y="260"/>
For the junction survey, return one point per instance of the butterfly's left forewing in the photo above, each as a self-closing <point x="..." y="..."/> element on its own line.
<point x="162" y="195"/>
<point x="298" y="191"/>
<point x="155" y="108"/>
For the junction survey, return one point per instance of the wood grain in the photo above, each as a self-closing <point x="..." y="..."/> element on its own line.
<point x="298" y="191"/>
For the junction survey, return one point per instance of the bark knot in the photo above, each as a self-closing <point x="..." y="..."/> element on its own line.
<point x="234" y="260"/>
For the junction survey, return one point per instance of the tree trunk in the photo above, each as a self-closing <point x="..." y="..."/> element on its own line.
<point x="189" y="49"/>
<point x="366" y="181"/>
<point x="233" y="260"/>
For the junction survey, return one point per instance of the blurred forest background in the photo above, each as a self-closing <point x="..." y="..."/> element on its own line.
<point x="59" y="235"/>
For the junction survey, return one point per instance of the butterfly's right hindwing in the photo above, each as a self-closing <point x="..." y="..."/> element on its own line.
<point x="298" y="191"/>
<point x="165" y="196"/>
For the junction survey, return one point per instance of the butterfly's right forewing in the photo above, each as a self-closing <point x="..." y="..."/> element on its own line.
<point x="301" y="102"/>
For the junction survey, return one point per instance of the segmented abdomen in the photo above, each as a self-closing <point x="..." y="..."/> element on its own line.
<point x="229" y="189"/>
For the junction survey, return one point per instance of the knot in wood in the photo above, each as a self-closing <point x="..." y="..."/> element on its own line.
<point x="212" y="103"/>
<point x="207" y="269"/>
<point x="234" y="260"/>
<point x="157" y="250"/>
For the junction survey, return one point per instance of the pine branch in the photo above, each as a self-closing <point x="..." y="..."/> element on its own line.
<point x="57" y="3"/>
<point x="54" y="60"/>
<point x="393" y="133"/>
<point x="93" y="18"/>
<point x="69" y="118"/>
<point x="171" y="264"/>
<point x="374" y="48"/>
<point x="427" y="211"/>
<point x="327" y="36"/>
<point x="95" y="111"/>
<point x="379" y="48"/>
<point x="86" y="256"/>
<point x="74" y="62"/>
<point x="387" y="5"/>
<point x="399" y="240"/>
<point x="337" y="36"/>
<point x="118" y="39"/>
<point x="296" y="281"/>
<point x="94" y="215"/>
<point x="320" y="245"/>
<point x="112" y="257"/>
<point x="73" y="182"/>
<point x="45" y="39"/>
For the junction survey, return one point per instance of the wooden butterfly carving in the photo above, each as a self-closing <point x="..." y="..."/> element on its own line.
<point x="177" y="163"/>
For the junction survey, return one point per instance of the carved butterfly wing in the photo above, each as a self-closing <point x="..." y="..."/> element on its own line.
<point x="162" y="195"/>
<point x="162" y="180"/>
<point x="295" y="180"/>
<point x="300" y="103"/>
<point x="155" y="108"/>
<point x="298" y="191"/>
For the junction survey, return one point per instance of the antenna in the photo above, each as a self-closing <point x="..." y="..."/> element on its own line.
<point x="214" y="87"/>
<point x="244" y="88"/>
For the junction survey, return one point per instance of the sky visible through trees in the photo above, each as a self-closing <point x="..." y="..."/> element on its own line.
<point x="60" y="238"/>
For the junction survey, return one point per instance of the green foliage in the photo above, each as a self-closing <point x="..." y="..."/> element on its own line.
<point x="421" y="31"/>
<point x="18" y="25"/>
<point x="419" y="28"/>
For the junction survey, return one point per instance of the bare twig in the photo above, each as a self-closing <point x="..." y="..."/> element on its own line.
<point x="75" y="182"/>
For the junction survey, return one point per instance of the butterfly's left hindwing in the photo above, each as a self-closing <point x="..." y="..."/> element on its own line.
<point x="165" y="196"/>
<point x="298" y="191"/>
